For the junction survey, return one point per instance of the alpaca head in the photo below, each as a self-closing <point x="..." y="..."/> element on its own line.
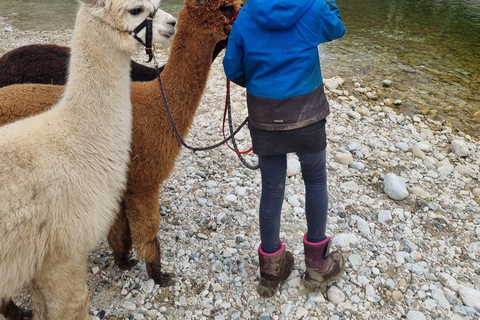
<point x="126" y="15"/>
<point x="211" y="16"/>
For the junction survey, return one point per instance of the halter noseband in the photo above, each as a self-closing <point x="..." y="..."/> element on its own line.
<point x="147" y="23"/>
<point x="231" y="21"/>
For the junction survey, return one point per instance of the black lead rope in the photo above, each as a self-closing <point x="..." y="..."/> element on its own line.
<point x="147" y="23"/>
<point x="234" y="142"/>
<point x="179" y="136"/>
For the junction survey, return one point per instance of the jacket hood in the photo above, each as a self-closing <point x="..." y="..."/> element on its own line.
<point x="278" y="14"/>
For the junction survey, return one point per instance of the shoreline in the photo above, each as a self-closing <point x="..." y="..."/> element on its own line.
<point x="416" y="258"/>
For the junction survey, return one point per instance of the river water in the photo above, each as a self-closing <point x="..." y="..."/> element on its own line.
<point x="429" y="49"/>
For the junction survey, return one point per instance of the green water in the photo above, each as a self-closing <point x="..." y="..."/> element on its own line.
<point x="429" y="49"/>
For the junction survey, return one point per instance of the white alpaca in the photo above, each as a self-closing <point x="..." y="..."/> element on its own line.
<point x="62" y="172"/>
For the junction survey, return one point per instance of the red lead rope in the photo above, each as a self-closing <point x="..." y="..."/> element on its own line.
<point x="227" y="102"/>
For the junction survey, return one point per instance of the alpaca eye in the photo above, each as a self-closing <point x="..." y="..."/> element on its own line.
<point x="136" y="11"/>
<point x="224" y="9"/>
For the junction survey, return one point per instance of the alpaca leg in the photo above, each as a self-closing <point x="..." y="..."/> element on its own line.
<point x="39" y="303"/>
<point x="10" y="310"/>
<point x="120" y="240"/>
<point x="62" y="286"/>
<point x="144" y="220"/>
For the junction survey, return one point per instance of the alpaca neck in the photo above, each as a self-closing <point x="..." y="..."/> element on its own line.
<point x="186" y="73"/>
<point x="99" y="70"/>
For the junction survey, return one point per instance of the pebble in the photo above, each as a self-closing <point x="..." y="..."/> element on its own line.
<point x="470" y="297"/>
<point x="293" y="167"/>
<point x="344" y="158"/>
<point x="460" y="148"/>
<point x="394" y="187"/>
<point x="335" y="295"/>
<point x="402" y="146"/>
<point x="384" y="216"/>
<point x="415" y="315"/>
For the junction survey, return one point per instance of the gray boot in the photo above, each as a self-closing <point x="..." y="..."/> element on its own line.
<point x="322" y="267"/>
<point x="274" y="268"/>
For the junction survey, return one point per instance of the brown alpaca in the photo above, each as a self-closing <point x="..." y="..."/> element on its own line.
<point x="201" y="25"/>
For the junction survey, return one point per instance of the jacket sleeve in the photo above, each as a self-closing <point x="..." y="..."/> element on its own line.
<point x="330" y="22"/>
<point x="233" y="60"/>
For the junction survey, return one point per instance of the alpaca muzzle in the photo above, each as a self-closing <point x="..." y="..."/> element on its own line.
<point x="147" y="23"/>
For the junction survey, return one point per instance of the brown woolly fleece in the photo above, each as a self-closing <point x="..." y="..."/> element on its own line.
<point x="201" y="25"/>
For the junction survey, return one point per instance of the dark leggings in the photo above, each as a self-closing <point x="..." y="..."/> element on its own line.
<point x="314" y="173"/>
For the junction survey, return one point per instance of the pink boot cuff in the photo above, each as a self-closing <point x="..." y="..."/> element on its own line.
<point x="314" y="243"/>
<point x="271" y="254"/>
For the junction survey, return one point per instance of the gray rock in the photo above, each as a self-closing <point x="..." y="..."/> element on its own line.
<point x="357" y="166"/>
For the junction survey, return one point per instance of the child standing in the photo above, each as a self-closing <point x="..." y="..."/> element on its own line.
<point x="273" y="51"/>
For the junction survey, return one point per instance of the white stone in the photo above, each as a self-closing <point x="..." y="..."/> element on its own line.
<point x="445" y="170"/>
<point x="355" y="260"/>
<point x="415" y="315"/>
<point x="345" y="240"/>
<point x="350" y="186"/>
<point x="394" y="187"/>
<point x="354" y="115"/>
<point x="362" y="225"/>
<point x="352" y="146"/>
<point x="148" y="286"/>
<point x="231" y="197"/>
<point x="129" y="305"/>
<point x="438" y="295"/>
<point x="335" y="295"/>
<point x="240" y="191"/>
<point x="344" y="158"/>
<point x="470" y="297"/>
<point x="384" y="216"/>
<point x="430" y="304"/>
<point x="293" y="167"/>
<point x="402" y="146"/>
<point x="301" y="313"/>
<point x="424" y="146"/>
<point x="460" y="148"/>
<point x="293" y="200"/>
<point x="331" y="84"/>
<point x="417" y="191"/>
<point x="448" y="281"/>
<point x="476" y="192"/>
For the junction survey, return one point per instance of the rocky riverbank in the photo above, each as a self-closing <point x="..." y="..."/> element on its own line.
<point x="404" y="210"/>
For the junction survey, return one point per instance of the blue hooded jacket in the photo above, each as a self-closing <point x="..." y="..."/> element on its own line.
<point x="273" y="46"/>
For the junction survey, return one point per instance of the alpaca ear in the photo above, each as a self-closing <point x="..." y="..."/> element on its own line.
<point x="94" y="3"/>
<point x="200" y="2"/>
